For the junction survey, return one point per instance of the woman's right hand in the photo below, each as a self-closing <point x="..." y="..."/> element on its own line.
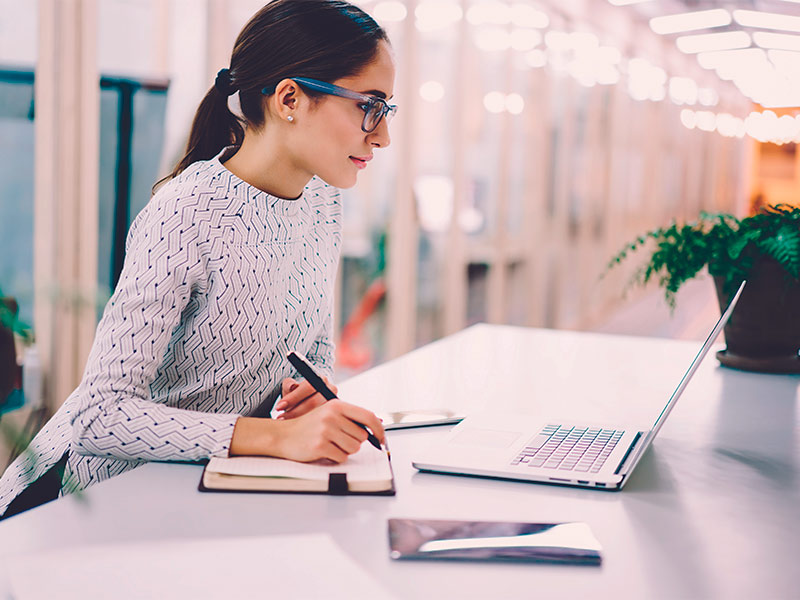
<point x="299" y="398"/>
<point x="327" y="432"/>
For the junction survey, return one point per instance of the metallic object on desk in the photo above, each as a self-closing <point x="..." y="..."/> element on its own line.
<point x="571" y="543"/>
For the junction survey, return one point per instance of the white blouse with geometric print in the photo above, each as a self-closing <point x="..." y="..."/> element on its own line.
<point x="220" y="281"/>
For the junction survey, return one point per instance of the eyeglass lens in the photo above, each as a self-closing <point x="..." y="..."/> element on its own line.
<point x="373" y="116"/>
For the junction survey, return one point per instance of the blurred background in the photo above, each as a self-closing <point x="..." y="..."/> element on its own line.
<point x="533" y="141"/>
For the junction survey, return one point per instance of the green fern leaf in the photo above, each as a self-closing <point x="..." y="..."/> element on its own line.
<point x="784" y="247"/>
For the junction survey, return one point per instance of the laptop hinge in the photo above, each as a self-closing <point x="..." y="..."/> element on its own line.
<point x="628" y="453"/>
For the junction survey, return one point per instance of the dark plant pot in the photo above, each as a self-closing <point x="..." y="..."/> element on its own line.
<point x="9" y="370"/>
<point x="763" y="333"/>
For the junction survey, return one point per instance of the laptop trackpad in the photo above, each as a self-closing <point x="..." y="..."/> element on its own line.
<point x="486" y="438"/>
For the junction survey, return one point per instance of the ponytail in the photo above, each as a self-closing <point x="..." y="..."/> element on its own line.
<point x="214" y="127"/>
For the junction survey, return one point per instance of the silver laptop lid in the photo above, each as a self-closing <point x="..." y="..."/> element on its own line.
<point x="723" y="319"/>
<point x="637" y="450"/>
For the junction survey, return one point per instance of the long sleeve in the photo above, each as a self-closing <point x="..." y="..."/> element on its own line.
<point x="164" y="274"/>
<point x="220" y="281"/>
<point x="322" y="349"/>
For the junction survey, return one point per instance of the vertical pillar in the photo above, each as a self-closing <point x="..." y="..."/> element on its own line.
<point x="161" y="29"/>
<point x="454" y="289"/>
<point x="67" y="100"/>
<point x="218" y="50"/>
<point x="559" y="233"/>
<point x="588" y="258"/>
<point x="401" y="264"/>
<point x="498" y="284"/>
<point x="535" y="239"/>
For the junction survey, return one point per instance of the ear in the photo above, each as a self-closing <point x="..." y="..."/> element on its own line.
<point x="286" y="99"/>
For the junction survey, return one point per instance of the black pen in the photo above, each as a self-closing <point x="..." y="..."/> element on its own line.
<point x="307" y="371"/>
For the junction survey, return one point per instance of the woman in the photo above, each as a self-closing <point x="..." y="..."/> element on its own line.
<point x="230" y="266"/>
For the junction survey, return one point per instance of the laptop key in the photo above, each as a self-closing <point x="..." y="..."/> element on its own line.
<point x="537" y="442"/>
<point x="569" y="448"/>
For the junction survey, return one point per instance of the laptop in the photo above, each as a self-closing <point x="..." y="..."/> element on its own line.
<point x="528" y="448"/>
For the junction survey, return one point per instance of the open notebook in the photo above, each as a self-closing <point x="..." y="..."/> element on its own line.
<point x="368" y="471"/>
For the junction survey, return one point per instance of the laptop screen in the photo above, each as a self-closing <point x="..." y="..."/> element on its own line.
<point x="696" y="362"/>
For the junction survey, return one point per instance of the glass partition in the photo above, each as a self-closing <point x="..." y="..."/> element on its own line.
<point x="132" y="114"/>
<point x="16" y="188"/>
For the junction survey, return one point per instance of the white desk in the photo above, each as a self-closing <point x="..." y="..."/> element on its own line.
<point x="713" y="510"/>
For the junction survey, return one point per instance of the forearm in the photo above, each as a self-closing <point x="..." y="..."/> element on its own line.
<point x="330" y="432"/>
<point x="114" y="415"/>
<point x="134" y="429"/>
<point x="254" y="436"/>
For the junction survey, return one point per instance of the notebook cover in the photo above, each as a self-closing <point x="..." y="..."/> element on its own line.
<point x="391" y="491"/>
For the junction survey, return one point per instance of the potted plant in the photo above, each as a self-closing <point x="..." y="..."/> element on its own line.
<point x="10" y="372"/>
<point x="763" y="333"/>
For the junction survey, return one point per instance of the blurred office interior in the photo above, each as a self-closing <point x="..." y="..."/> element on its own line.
<point x="533" y="140"/>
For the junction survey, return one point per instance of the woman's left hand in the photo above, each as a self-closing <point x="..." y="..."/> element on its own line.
<point x="299" y="398"/>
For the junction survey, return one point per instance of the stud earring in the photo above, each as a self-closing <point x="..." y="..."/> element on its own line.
<point x="290" y="118"/>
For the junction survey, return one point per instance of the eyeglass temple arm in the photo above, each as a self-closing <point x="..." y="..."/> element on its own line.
<point x="322" y="86"/>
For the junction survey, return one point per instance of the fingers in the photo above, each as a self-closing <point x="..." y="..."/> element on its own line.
<point x="330" y="431"/>
<point x="298" y="398"/>
<point x="355" y="435"/>
<point x="333" y="387"/>
<point x="340" y="430"/>
<point x="365" y="417"/>
<point x="330" y="435"/>
<point x="351" y="419"/>
<point x="333" y="452"/>
<point x="304" y="407"/>
<point x="288" y="385"/>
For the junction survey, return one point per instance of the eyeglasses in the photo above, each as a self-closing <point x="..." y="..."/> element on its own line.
<point x="374" y="108"/>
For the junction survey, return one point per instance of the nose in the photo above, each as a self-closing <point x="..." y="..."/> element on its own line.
<point x="380" y="137"/>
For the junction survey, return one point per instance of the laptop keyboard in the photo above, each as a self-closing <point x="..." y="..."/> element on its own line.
<point x="583" y="449"/>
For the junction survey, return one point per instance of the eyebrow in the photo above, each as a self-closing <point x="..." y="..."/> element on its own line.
<point x="377" y="93"/>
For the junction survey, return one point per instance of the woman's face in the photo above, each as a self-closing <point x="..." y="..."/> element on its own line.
<point x="330" y="142"/>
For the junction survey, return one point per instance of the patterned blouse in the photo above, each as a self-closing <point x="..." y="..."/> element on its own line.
<point x="220" y="282"/>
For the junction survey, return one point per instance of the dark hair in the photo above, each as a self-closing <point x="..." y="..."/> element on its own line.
<point x="320" y="39"/>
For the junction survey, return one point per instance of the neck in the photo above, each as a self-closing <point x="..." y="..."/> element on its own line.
<point x="264" y="163"/>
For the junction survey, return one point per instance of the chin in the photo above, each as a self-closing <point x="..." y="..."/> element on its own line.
<point x="339" y="180"/>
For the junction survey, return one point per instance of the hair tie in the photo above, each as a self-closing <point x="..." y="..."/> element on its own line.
<point x="223" y="82"/>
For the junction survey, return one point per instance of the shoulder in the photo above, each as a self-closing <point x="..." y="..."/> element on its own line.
<point x="188" y="198"/>
<point x="197" y="187"/>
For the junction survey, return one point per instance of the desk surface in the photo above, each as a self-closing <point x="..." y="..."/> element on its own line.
<point x="712" y="510"/>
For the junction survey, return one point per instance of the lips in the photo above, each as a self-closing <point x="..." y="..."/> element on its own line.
<point x="360" y="161"/>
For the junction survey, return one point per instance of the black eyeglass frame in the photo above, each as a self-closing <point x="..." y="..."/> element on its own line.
<point x="369" y="105"/>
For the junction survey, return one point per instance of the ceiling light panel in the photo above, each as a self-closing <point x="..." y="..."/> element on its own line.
<point x="764" y="20"/>
<point x="703" y="19"/>
<point x="709" y="42"/>
<point x="729" y="58"/>
<point x="786" y="61"/>
<point x="777" y="41"/>
<point x="628" y="2"/>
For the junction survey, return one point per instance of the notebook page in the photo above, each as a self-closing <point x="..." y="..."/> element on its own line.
<point x="368" y="464"/>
